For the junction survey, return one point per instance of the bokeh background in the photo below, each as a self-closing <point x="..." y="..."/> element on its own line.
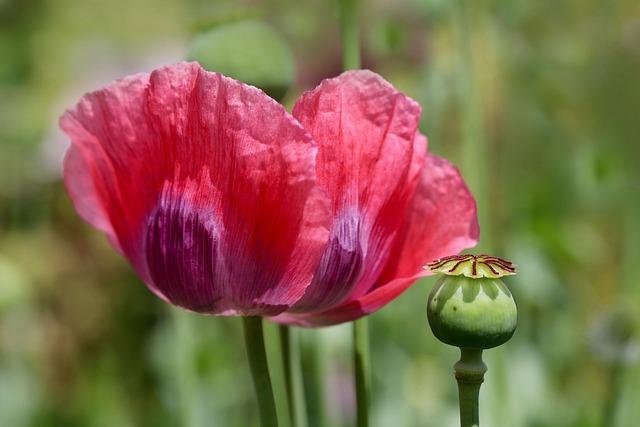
<point x="537" y="102"/>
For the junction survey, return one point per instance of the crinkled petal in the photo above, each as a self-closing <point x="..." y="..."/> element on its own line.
<point x="442" y="221"/>
<point x="207" y="185"/>
<point x="352" y="310"/>
<point x="77" y="176"/>
<point x="369" y="157"/>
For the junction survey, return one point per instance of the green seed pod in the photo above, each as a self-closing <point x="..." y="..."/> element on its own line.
<point x="470" y="306"/>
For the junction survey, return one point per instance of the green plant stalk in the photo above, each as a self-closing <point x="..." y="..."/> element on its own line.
<point x="293" y="376"/>
<point x="616" y="372"/>
<point x="474" y="157"/>
<point x="469" y="371"/>
<point x="275" y="361"/>
<point x="361" y="369"/>
<point x="285" y="349"/>
<point x="185" y="376"/>
<point x="256" y="353"/>
<point x="348" y="12"/>
<point x="314" y="362"/>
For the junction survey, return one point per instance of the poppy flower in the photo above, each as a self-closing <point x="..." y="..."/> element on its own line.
<point x="205" y="184"/>
<point x="226" y="204"/>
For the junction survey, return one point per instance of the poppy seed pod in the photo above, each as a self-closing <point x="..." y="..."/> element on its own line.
<point x="470" y="306"/>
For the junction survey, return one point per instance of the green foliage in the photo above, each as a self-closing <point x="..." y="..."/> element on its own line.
<point x="249" y="51"/>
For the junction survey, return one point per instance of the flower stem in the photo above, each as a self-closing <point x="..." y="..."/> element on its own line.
<point x="293" y="376"/>
<point x="315" y="363"/>
<point x="361" y="368"/>
<point x="613" y="395"/>
<point x="256" y="353"/>
<point x="348" y="12"/>
<point x="473" y="139"/>
<point x="185" y="375"/>
<point x="469" y="371"/>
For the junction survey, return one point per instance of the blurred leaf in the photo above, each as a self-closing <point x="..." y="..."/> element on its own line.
<point x="14" y="288"/>
<point x="249" y="51"/>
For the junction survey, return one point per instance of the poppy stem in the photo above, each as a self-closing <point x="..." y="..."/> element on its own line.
<point x="293" y="376"/>
<point x="361" y="369"/>
<point x="186" y="378"/>
<point x="348" y="12"/>
<point x="614" y="392"/>
<point x="315" y="362"/>
<point x="256" y="353"/>
<point x="285" y="349"/>
<point x="473" y="138"/>
<point x="469" y="371"/>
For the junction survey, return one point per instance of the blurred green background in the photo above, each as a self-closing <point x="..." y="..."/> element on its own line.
<point x="538" y="103"/>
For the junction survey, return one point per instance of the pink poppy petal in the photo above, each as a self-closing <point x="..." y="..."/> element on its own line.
<point x="206" y="184"/>
<point x="352" y="310"/>
<point x="368" y="160"/>
<point x="79" y="183"/>
<point x="442" y="221"/>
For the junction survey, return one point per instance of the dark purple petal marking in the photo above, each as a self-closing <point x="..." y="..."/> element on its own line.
<point x="197" y="262"/>
<point x="340" y="267"/>
<point x="182" y="250"/>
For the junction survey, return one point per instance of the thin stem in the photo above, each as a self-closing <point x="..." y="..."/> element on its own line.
<point x="185" y="376"/>
<point x="315" y="368"/>
<point x="361" y="368"/>
<point x="348" y="11"/>
<point x="474" y="157"/>
<point x="613" y="395"/>
<point x="256" y="353"/>
<point x="285" y="348"/>
<point x="293" y="376"/>
<point x="469" y="372"/>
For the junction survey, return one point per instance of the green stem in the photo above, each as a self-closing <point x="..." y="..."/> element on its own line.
<point x="256" y="353"/>
<point x="348" y="12"/>
<point x="185" y="376"/>
<point x="315" y="367"/>
<point x="469" y="372"/>
<point x="285" y="348"/>
<point x="613" y="395"/>
<point x="361" y="368"/>
<point x="293" y="376"/>
<point x="474" y="157"/>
